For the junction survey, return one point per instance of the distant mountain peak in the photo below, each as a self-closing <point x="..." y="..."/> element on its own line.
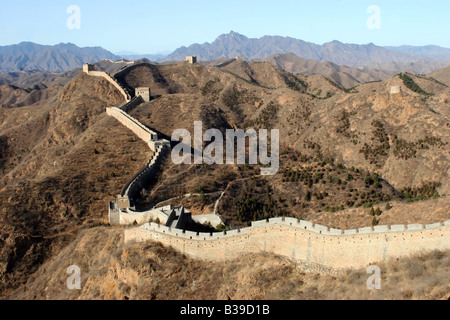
<point x="231" y="36"/>
<point x="235" y="44"/>
<point x="334" y="42"/>
<point x="235" y="34"/>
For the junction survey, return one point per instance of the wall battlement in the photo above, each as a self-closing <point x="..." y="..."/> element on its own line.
<point x="133" y="103"/>
<point x="134" y="125"/>
<point x="306" y="226"/>
<point x="396" y="89"/>
<point x="119" y="210"/>
<point x="90" y="70"/>
<point x="302" y="241"/>
<point x="136" y="184"/>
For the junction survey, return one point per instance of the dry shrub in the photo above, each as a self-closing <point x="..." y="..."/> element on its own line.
<point x="415" y="269"/>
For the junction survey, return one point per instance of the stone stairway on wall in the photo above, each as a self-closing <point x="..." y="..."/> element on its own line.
<point x="133" y="103"/>
<point x="137" y="183"/>
<point x="134" y="186"/>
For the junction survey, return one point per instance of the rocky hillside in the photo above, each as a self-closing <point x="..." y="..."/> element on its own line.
<point x="442" y="75"/>
<point x="342" y="75"/>
<point x="59" y="166"/>
<point x="344" y="151"/>
<point x="403" y="136"/>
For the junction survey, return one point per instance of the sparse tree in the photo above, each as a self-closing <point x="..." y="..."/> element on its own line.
<point x="374" y="222"/>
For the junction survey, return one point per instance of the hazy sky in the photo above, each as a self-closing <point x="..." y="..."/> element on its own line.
<point x="148" y="26"/>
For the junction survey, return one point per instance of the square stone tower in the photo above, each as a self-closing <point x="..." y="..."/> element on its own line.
<point x="396" y="89"/>
<point x="191" y="59"/>
<point x="88" y="67"/>
<point x="144" y="92"/>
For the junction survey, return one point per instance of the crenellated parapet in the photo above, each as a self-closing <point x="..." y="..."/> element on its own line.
<point x="119" y="210"/>
<point x="396" y="89"/>
<point x="144" y="92"/>
<point x="302" y="241"/>
<point x="134" y="125"/>
<point x="89" y="69"/>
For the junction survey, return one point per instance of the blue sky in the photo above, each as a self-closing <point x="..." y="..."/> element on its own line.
<point x="154" y="26"/>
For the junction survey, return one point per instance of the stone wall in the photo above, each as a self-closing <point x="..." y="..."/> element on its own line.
<point x="133" y="103"/>
<point x="137" y="183"/>
<point x="130" y="217"/>
<point x="89" y="70"/>
<point x="396" y="89"/>
<point x="119" y="211"/>
<point x="303" y="242"/>
<point x="134" y="186"/>
<point x="134" y="125"/>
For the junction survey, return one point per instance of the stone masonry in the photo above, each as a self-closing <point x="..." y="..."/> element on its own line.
<point x="144" y="93"/>
<point x="90" y="70"/>
<point x="303" y="242"/>
<point x="191" y="59"/>
<point x="396" y="89"/>
<point x="317" y="246"/>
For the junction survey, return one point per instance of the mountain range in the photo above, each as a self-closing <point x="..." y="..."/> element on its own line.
<point x="334" y="59"/>
<point x="29" y="56"/>
<point x="352" y="55"/>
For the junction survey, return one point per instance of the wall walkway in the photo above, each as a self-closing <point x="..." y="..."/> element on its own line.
<point x="303" y="242"/>
<point x="111" y="80"/>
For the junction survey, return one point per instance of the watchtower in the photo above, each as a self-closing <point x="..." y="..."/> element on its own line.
<point x="191" y="59"/>
<point x="396" y="89"/>
<point x="88" y="67"/>
<point x="144" y="92"/>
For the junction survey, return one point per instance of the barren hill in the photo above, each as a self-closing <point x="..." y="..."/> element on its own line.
<point x="356" y="123"/>
<point x="343" y="151"/>
<point x="59" y="167"/>
<point x="442" y="75"/>
<point x="345" y="76"/>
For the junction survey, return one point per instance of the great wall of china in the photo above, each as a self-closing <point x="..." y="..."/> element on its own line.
<point x="122" y="211"/>
<point x="316" y="247"/>
<point x="313" y="245"/>
<point x="89" y="69"/>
